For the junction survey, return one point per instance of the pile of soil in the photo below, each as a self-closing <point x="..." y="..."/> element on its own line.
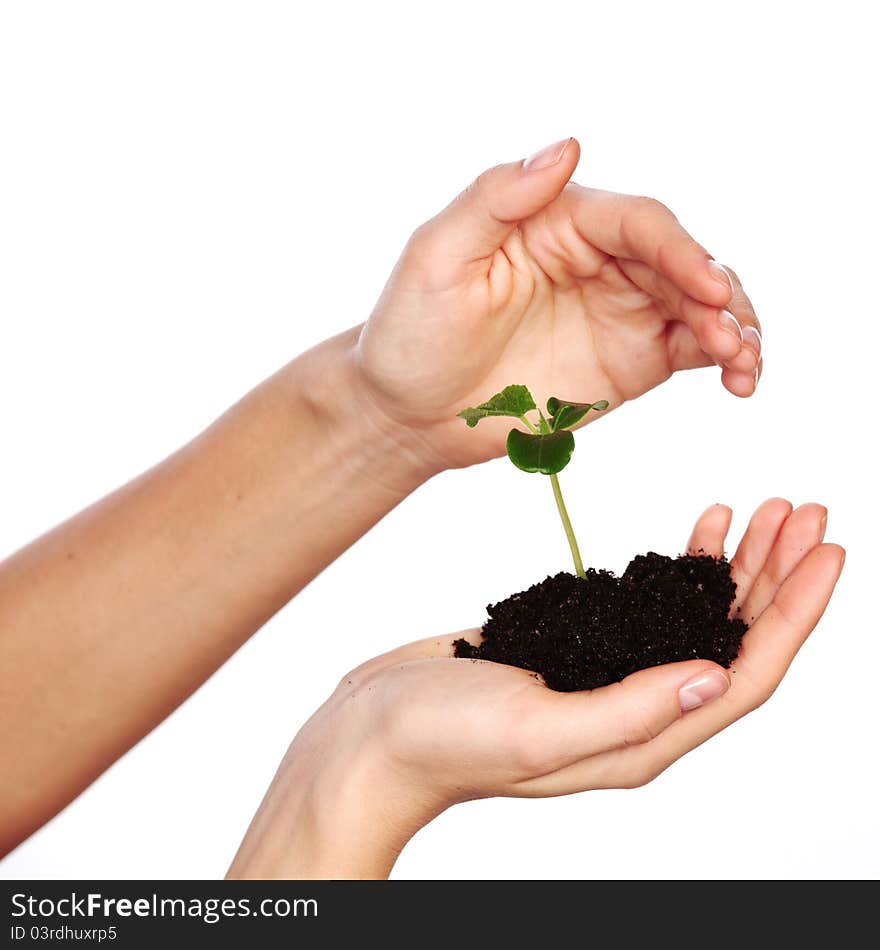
<point x="583" y="633"/>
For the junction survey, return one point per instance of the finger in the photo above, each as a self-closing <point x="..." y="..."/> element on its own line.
<point x="740" y="384"/>
<point x="741" y="307"/>
<point x="710" y="531"/>
<point x="642" y="229"/>
<point x="684" y="349"/>
<point x="481" y="218"/>
<point x="772" y="643"/>
<point x="746" y="360"/>
<point x="780" y="631"/>
<point x="802" y="531"/>
<point x="756" y="546"/>
<point x="685" y="352"/>
<point x="731" y="337"/>
<point x="569" y="727"/>
<point x="716" y="329"/>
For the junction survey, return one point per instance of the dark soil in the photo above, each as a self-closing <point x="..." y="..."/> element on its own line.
<point x="584" y="633"/>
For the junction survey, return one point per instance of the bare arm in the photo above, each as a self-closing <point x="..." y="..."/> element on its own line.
<point x="111" y="620"/>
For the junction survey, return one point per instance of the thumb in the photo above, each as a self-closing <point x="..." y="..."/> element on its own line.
<point x="481" y="218"/>
<point x="630" y="712"/>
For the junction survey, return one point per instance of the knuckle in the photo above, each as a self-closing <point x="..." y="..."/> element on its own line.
<point x="420" y="235"/>
<point x="640" y="216"/>
<point x="418" y="248"/>
<point x="482" y="181"/>
<point x="360" y="675"/>
<point x="527" y="758"/>
<point x="643" y="775"/>
<point x="479" y="192"/>
<point x="353" y="678"/>
<point x="764" y="689"/>
<point x="527" y="743"/>
<point x="647" y="205"/>
<point x="641" y="725"/>
<point x="754" y="688"/>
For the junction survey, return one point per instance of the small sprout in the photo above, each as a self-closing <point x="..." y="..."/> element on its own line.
<point x="547" y="446"/>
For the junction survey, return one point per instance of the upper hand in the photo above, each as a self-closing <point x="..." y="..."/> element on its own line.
<point x="574" y="292"/>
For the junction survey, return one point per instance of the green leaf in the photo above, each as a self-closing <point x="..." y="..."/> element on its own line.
<point x="547" y="454"/>
<point x="567" y="414"/>
<point x="511" y="401"/>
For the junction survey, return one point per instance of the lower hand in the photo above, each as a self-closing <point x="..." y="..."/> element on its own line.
<point x="414" y="731"/>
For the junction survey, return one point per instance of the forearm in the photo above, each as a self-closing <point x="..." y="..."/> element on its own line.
<point x="111" y="620"/>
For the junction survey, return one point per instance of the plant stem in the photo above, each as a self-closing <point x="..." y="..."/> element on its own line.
<point x="529" y="425"/>
<point x="569" y="531"/>
<point x="544" y="428"/>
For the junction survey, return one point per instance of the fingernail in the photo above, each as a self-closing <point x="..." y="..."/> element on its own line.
<point x="729" y="323"/>
<point x="702" y="689"/>
<point x="842" y="559"/>
<point x="720" y="274"/>
<point x="823" y="524"/>
<point x="546" y="157"/>
<point x="752" y="339"/>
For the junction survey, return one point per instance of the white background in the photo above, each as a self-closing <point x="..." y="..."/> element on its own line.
<point x="192" y="193"/>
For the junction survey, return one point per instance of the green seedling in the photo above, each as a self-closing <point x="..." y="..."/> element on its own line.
<point x="546" y="447"/>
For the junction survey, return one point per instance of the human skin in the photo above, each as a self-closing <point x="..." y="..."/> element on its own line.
<point x="112" y="619"/>
<point x="371" y="768"/>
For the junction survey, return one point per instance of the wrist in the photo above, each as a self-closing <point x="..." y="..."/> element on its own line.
<point x="335" y="810"/>
<point x="366" y="441"/>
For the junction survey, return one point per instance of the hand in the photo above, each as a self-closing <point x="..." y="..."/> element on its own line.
<point x="574" y="292"/>
<point x="412" y="732"/>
